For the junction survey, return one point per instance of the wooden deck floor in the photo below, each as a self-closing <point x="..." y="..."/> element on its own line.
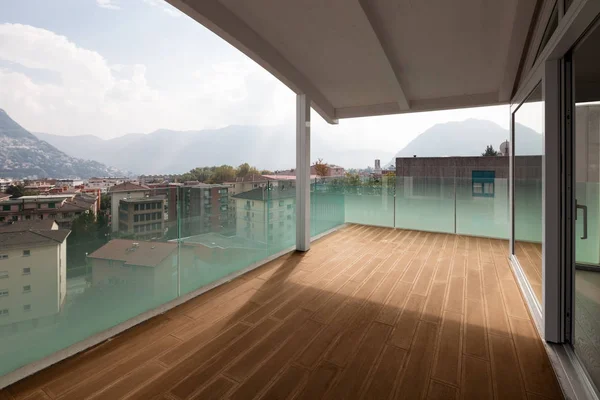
<point x="369" y="313"/>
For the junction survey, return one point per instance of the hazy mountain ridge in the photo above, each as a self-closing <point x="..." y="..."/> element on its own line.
<point x="468" y="138"/>
<point x="23" y="155"/>
<point x="170" y="151"/>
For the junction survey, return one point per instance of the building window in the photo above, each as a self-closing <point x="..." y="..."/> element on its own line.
<point x="51" y="205"/>
<point x="27" y="289"/>
<point x="5" y="208"/>
<point x="3" y="292"/>
<point x="483" y="183"/>
<point x="4" y="311"/>
<point x="27" y="271"/>
<point x="3" y="274"/>
<point x="27" y="307"/>
<point x="26" y="253"/>
<point x="3" y="256"/>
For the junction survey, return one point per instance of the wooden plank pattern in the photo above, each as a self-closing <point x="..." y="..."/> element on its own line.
<point x="367" y="313"/>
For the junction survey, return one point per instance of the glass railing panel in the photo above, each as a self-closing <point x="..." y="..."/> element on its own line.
<point x="222" y="229"/>
<point x="280" y="228"/>
<point x="482" y="207"/>
<point x="327" y="205"/>
<point x="528" y="210"/>
<point x="425" y="203"/>
<point x="65" y="289"/>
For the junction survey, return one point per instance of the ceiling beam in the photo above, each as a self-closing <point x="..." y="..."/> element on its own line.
<point x="220" y="20"/>
<point x="524" y="17"/>
<point x="393" y="73"/>
<point x="444" y="103"/>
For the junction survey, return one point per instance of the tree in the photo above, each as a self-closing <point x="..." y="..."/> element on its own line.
<point x="245" y="169"/>
<point x="15" y="191"/>
<point x="321" y="168"/>
<point x="224" y="173"/>
<point x="489" y="151"/>
<point x="266" y="172"/>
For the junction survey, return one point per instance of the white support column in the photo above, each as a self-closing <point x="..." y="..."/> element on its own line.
<point x="302" y="172"/>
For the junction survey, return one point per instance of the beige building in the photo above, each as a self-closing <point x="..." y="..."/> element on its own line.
<point x="142" y="217"/>
<point x="125" y="190"/>
<point x="266" y="215"/>
<point x="151" y="266"/>
<point x="33" y="271"/>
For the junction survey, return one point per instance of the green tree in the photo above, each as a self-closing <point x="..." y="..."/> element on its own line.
<point x="245" y="169"/>
<point x="15" y="191"/>
<point x="266" y="172"/>
<point x="224" y="173"/>
<point x="489" y="151"/>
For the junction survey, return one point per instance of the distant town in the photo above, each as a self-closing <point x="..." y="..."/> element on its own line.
<point x="66" y="237"/>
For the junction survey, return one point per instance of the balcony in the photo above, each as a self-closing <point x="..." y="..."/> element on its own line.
<point x="369" y="312"/>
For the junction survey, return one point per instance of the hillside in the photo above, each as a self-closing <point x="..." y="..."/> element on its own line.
<point x="467" y="138"/>
<point x="24" y="155"/>
<point x="170" y="151"/>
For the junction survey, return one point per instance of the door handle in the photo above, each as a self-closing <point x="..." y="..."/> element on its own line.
<point x="585" y="227"/>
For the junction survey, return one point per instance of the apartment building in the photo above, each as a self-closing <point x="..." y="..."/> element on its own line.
<point x="148" y="266"/>
<point x="204" y="208"/>
<point x="124" y="190"/>
<point x="266" y="215"/>
<point x="104" y="184"/>
<point x="142" y="217"/>
<point x="63" y="208"/>
<point x="33" y="272"/>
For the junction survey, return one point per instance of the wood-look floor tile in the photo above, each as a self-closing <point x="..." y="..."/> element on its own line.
<point x="456" y="297"/>
<point x="242" y="367"/>
<point x="204" y="372"/>
<point x="355" y="376"/>
<point x="515" y="306"/>
<point x="507" y="380"/>
<point x="389" y="313"/>
<point x="216" y="390"/>
<point x="435" y="303"/>
<point x="475" y="330"/>
<point x="286" y="385"/>
<point x="319" y="382"/>
<point x="536" y="370"/>
<point x="440" y="391"/>
<point x="448" y="359"/>
<point x="408" y="321"/>
<point x="476" y="379"/>
<point x="262" y="376"/>
<point x="386" y="374"/>
<point x="415" y="379"/>
<point x="130" y="383"/>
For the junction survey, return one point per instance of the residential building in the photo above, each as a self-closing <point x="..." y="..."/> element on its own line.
<point x="147" y="266"/>
<point x="33" y="273"/>
<point x="204" y="208"/>
<point x="104" y="184"/>
<point x="5" y="183"/>
<point x="63" y="208"/>
<point x="266" y="215"/>
<point x="124" y="190"/>
<point x="143" y="217"/>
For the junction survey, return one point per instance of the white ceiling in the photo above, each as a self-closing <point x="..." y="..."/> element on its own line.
<point x="372" y="57"/>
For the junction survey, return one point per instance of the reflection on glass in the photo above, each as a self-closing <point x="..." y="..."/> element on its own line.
<point x="586" y="341"/>
<point x="528" y="150"/>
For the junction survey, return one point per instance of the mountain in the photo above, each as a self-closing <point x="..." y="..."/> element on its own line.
<point x="168" y="151"/>
<point x="468" y="138"/>
<point x="23" y="155"/>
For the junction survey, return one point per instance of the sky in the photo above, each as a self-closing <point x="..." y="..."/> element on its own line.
<point x="112" y="67"/>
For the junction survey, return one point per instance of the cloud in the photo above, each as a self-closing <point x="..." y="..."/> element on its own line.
<point x="167" y="8"/>
<point x="110" y="4"/>
<point x="91" y="96"/>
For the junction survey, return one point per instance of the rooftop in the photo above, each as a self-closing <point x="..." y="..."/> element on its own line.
<point x="132" y="252"/>
<point x="127" y="187"/>
<point x="367" y="313"/>
<point x="143" y="199"/>
<point x="262" y="194"/>
<point x="31" y="234"/>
